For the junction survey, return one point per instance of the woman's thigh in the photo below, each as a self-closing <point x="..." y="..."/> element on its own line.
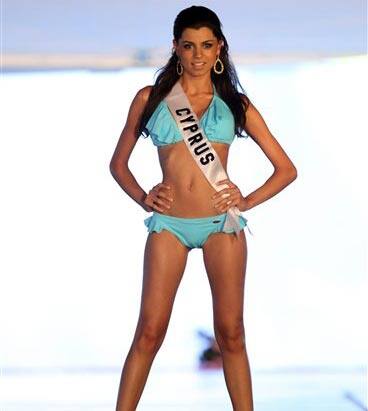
<point x="225" y="259"/>
<point x="165" y="259"/>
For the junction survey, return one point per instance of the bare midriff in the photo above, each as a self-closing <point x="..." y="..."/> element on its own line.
<point x="190" y="189"/>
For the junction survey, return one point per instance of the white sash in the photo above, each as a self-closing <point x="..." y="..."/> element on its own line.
<point x="200" y="148"/>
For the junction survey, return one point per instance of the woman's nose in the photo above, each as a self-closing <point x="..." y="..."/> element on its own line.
<point x="197" y="52"/>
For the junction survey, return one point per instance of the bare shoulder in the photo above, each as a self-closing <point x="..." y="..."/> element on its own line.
<point x="144" y="93"/>
<point x="251" y="112"/>
<point x="246" y="100"/>
<point x="138" y="104"/>
<point x="139" y="101"/>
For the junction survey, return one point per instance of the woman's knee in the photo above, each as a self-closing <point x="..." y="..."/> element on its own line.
<point x="150" y="335"/>
<point x="230" y="335"/>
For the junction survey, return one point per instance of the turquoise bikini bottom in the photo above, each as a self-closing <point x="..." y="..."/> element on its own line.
<point x="192" y="232"/>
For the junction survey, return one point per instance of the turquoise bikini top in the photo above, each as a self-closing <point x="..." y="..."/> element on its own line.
<point x="217" y="122"/>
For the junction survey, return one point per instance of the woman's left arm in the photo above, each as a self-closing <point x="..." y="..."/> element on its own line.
<point x="284" y="170"/>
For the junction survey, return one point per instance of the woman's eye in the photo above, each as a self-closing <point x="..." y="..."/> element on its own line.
<point x="207" y="46"/>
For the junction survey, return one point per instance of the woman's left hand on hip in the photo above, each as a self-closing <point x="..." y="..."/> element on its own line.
<point x="229" y="197"/>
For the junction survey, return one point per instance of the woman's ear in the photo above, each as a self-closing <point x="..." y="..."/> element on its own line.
<point x="173" y="49"/>
<point x="220" y="45"/>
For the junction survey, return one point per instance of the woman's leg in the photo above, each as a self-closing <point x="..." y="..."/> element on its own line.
<point x="225" y="258"/>
<point x="164" y="263"/>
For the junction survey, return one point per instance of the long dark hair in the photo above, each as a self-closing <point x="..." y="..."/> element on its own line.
<point x="225" y="83"/>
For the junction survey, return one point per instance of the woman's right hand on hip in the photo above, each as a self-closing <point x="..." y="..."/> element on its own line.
<point x="159" y="198"/>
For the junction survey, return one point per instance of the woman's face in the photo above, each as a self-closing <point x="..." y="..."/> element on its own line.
<point x="197" y="50"/>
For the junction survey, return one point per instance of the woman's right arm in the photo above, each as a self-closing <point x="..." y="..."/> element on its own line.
<point x="119" y="162"/>
<point x="128" y="138"/>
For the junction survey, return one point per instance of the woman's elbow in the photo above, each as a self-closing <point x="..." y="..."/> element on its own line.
<point x="292" y="173"/>
<point x="288" y="173"/>
<point x="116" y="166"/>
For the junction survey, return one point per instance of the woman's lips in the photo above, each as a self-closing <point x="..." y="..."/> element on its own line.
<point x="197" y="65"/>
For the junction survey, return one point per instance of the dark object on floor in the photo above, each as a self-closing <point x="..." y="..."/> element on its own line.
<point x="210" y="356"/>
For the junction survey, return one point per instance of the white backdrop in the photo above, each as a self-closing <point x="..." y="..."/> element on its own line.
<point x="72" y="241"/>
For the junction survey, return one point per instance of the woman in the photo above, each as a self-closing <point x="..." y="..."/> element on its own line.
<point x="188" y="212"/>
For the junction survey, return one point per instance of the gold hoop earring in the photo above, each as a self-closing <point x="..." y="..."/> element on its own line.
<point x="222" y="66"/>
<point x="177" y="68"/>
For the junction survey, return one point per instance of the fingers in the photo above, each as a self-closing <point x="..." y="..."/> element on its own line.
<point x="160" y="197"/>
<point x="163" y="192"/>
<point x="156" y="203"/>
<point x="226" y="192"/>
<point x="226" y="198"/>
<point x="224" y="205"/>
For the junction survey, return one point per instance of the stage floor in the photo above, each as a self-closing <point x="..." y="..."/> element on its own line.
<point x="181" y="390"/>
